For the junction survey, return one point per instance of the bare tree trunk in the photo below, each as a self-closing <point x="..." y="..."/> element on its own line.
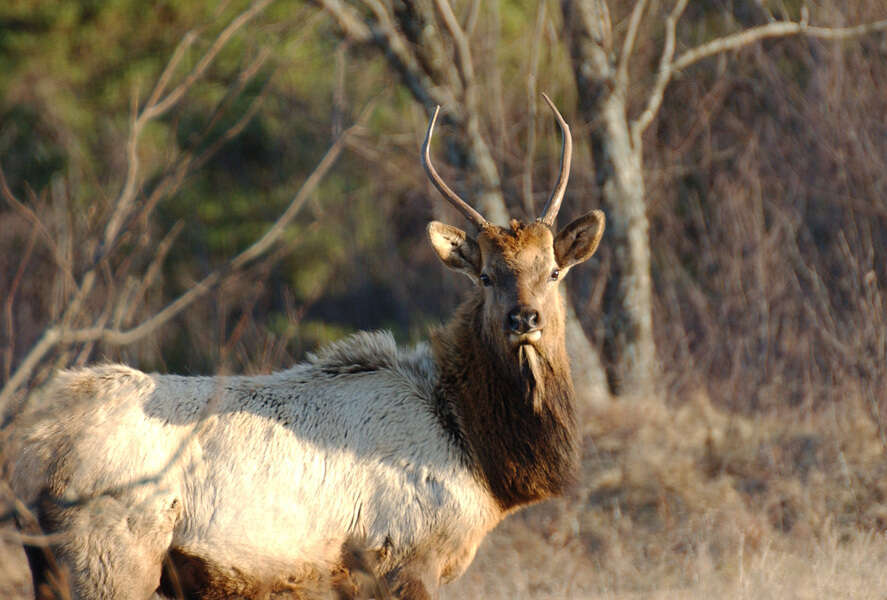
<point x="589" y="376"/>
<point x="628" y="297"/>
<point x="629" y="346"/>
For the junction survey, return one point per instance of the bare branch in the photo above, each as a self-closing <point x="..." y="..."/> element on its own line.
<point x="529" y="155"/>
<point x="663" y="76"/>
<point x="62" y="335"/>
<point x="31" y="216"/>
<point x="156" y="107"/>
<point x="384" y="34"/>
<point x="166" y="75"/>
<point x="46" y="343"/>
<point x="246" y="75"/>
<point x="471" y="18"/>
<point x="634" y="24"/>
<point x="348" y="20"/>
<point x="187" y="163"/>
<point x="460" y="41"/>
<point x="151" y="274"/>
<point x="255" y="250"/>
<point x="736" y="41"/>
<point x="9" y="351"/>
<point x="32" y="535"/>
<point x="152" y="111"/>
<point x="41" y="540"/>
<point x="232" y="131"/>
<point x="491" y="199"/>
<point x="311" y="183"/>
<point x="430" y="84"/>
<point x="771" y="30"/>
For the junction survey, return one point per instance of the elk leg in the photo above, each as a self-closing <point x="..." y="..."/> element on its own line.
<point x="114" y="550"/>
<point x="412" y="583"/>
<point x="46" y="578"/>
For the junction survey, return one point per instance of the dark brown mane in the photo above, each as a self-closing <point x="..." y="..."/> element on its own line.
<point x="525" y="454"/>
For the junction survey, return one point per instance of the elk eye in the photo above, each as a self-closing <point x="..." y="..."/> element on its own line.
<point x="555" y="274"/>
<point x="485" y="279"/>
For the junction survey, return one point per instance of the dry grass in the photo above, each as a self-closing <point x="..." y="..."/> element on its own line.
<point x="516" y="564"/>
<point x="692" y="502"/>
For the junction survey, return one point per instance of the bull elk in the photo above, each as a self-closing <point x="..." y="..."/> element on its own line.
<point x="261" y="486"/>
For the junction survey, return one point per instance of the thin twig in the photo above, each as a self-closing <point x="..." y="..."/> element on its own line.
<point x="9" y="351"/>
<point x="471" y="18"/>
<point x="532" y="93"/>
<point x="187" y="163"/>
<point x="153" y="271"/>
<point x="63" y="335"/>
<point x="736" y="41"/>
<point x="46" y="343"/>
<point x="117" y="337"/>
<point x="177" y="55"/>
<point x="153" y="111"/>
<point x="460" y="42"/>
<point x="157" y="107"/>
<point x="663" y="76"/>
<point x="246" y="75"/>
<point x="771" y="30"/>
<point x="32" y="217"/>
<point x="634" y="24"/>
<point x="234" y="130"/>
<point x="32" y="535"/>
<point x="385" y="35"/>
<point x="105" y="315"/>
<point x="348" y="20"/>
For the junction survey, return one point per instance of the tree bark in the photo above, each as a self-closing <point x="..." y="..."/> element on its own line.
<point x="629" y="347"/>
<point x="589" y="375"/>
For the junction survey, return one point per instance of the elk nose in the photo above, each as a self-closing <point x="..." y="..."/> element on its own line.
<point x="522" y="319"/>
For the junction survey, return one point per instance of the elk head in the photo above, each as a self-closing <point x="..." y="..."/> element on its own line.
<point x="518" y="269"/>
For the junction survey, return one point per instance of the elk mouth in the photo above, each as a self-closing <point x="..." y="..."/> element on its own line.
<point x="521" y="339"/>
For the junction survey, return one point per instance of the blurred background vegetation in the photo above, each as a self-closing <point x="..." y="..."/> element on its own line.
<point x="765" y="176"/>
<point x="70" y="75"/>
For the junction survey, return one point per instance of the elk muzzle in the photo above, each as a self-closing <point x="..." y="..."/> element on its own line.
<point x="524" y="325"/>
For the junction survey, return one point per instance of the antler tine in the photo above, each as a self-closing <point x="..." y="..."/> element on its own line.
<point x="549" y="213"/>
<point x="470" y="214"/>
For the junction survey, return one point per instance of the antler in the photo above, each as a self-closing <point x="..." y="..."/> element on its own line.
<point x="549" y="213"/>
<point x="470" y="214"/>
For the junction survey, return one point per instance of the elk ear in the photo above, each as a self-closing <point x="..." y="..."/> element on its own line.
<point x="457" y="251"/>
<point x="577" y="241"/>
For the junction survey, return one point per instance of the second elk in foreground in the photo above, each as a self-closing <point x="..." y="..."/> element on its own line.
<point x="263" y="486"/>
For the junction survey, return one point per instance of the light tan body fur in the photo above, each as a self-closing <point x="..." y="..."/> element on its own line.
<point x="264" y="479"/>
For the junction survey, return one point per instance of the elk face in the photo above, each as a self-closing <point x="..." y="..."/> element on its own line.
<point x="518" y="269"/>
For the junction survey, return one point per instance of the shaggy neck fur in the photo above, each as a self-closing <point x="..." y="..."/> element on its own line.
<point x="514" y="416"/>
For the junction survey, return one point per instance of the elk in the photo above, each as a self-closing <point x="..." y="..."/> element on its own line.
<point x="261" y="486"/>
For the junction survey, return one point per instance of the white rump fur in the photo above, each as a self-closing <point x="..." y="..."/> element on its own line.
<point x="264" y="476"/>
